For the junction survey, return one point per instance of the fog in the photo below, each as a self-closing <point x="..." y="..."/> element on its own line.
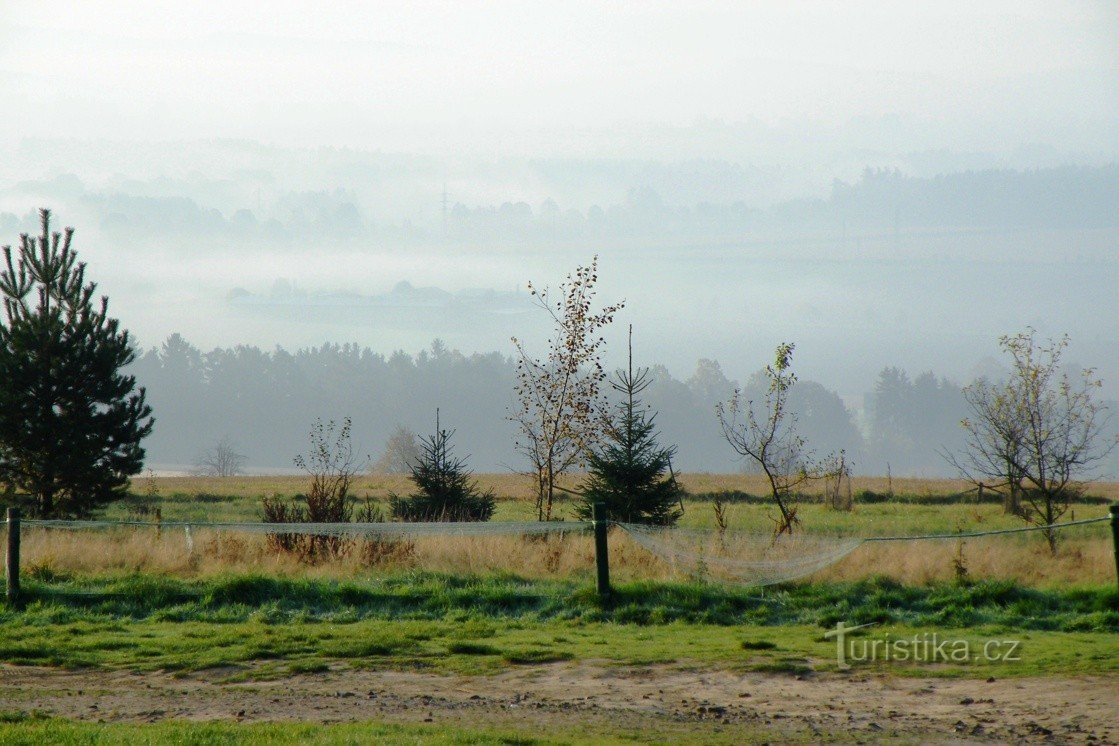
<point x="882" y="185"/>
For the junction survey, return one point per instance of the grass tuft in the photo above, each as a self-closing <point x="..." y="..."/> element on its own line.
<point x="536" y="656"/>
<point x="472" y="648"/>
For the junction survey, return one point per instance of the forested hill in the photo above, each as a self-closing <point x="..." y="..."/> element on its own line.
<point x="690" y="201"/>
<point x="264" y="402"/>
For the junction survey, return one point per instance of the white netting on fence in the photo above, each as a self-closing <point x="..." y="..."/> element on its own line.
<point x="754" y="559"/>
<point x="765" y="559"/>
<point x="353" y="530"/>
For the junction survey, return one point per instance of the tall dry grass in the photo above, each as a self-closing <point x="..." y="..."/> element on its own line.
<point x="1085" y="558"/>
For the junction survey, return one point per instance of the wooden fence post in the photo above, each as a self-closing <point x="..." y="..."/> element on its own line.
<point x="1114" y="511"/>
<point x="601" y="553"/>
<point x="13" y="556"/>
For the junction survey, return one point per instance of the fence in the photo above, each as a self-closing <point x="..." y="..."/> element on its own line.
<point x="752" y="558"/>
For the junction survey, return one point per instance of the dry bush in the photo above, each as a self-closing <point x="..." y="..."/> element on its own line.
<point x="331" y="467"/>
<point x="378" y="552"/>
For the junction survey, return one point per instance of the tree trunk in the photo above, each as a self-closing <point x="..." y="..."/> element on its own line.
<point x="46" y="503"/>
<point x="1050" y="518"/>
<point x="551" y="491"/>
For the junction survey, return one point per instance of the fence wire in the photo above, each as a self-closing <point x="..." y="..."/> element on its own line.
<point x="764" y="559"/>
<point x="756" y="559"/>
<point x="445" y="528"/>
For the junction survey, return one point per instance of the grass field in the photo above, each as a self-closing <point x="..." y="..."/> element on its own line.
<point x="209" y="646"/>
<point x="238" y="498"/>
<point x="448" y="637"/>
<point x="23" y="729"/>
<point x="478" y="624"/>
<point x="29" y="731"/>
<point x="1085" y="558"/>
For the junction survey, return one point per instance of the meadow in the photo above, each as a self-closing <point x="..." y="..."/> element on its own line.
<point x="215" y="638"/>
<point x="238" y="498"/>
<point x="897" y="507"/>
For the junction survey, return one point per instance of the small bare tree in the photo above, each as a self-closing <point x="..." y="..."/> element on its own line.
<point x="558" y="396"/>
<point x="837" y="483"/>
<point x="767" y="436"/>
<point x="1038" y="435"/>
<point x="402" y="452"/>
<point x="223" y="460"/>
<point x="996" y="435"/>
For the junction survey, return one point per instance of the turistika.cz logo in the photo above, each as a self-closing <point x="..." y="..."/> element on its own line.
<point x="922" y="647"/>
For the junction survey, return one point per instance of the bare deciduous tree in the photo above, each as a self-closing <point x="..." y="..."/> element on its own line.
<point x="837" y="483"/>
<point x="767" y="436"/>
<point x="402" y="452"/>
<point x="1036" y="436"/>
<point x="558" y="396"/>
<point x="223" y="460"/>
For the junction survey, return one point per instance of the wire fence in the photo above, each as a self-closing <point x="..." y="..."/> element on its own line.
<point x="393" y="529"/>
<point x="755" y="559"/>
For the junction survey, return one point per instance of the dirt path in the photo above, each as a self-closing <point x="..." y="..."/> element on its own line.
<point x="592" y="697"/>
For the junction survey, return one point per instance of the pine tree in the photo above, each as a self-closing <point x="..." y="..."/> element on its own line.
<point x="631" y="472"/>
<point x="446" y="490"/>
<point x="70" y="422"/>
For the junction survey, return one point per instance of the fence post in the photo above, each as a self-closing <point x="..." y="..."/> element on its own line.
<point x="13" y="556"/>
<point x="1114" y="511"/>
<point x="601" y="555"/>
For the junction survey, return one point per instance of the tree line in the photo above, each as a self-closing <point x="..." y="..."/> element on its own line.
<point x="262" y="402"/>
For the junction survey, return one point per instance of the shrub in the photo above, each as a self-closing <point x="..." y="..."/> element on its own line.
<point x="446" y="490"/>
<point x="331" y="468"/>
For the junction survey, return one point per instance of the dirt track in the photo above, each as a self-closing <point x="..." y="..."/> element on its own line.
<point x="599" y="697"/>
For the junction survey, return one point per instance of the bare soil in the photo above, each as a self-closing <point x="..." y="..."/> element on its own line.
<point x="591" y="697"/>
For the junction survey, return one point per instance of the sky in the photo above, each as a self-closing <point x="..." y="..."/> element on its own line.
<point x="573" y="77"/>
<point x="796" y="94"/>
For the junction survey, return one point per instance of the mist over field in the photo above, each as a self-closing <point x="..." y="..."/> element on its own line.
<point x="892" y="189"/>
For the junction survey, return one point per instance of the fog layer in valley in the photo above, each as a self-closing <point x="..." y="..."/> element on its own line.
<point x="895" y="196"/>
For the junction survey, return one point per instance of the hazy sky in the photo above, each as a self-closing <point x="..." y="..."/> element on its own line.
<point x="797" y="93"/>
<point x="572" y="77"/>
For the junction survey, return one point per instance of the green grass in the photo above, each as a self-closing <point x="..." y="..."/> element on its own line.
<point x="252" y="626"/>
<point x="875" y="519"/>
<point x="33" y="731"/>
<point x="23" y="729"/>
<point x="437" y="596"/>
<point x="472" y="648"/>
